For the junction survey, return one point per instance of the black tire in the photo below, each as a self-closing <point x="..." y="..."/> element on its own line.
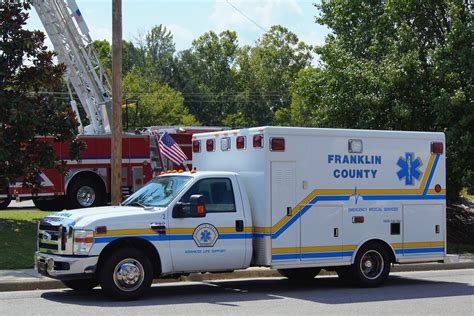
<point x="371" y="266"/>
<point x="4" y="203"/>
<point x="300" y="274"/>
<point x="55" y="204"/>
<point x="81" y="284"/>
<point x="133" y="262"/>
<point x="85" y="192"/>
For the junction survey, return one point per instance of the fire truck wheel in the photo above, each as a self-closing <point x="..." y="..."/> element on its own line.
<point x="371" y="266"/>
<point x="126" y="274"/>
<point x="4" y="203"/>
<point x="84" y="192"/>
<point x="82" y="284"/>
<point x="301" y="274"/>
<point x="50" y="204"/>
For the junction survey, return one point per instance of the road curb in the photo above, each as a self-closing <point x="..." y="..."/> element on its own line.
<point x="28" y="284"/>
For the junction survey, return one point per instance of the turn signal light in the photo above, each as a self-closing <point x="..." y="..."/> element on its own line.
<point x="437" y="148"/>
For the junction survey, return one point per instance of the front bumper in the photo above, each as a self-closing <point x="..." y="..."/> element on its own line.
<point x="65" y="267"/>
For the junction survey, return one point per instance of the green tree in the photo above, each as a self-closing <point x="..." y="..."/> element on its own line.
<point x="26" y="68"/>
<point x="156" y="50"/>
<point x="265" y="74"/>
<point x="131" y="56"/>
<point x="399" y="64"/>
<point x="207" y="76"/>
<point x="154" y="103"/>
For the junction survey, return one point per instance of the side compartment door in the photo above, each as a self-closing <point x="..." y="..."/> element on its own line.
<point x="285" y="225"/>
<point x="321" y="233"/>
<point x="423" y="230"/>
<point x="218" y="240"/>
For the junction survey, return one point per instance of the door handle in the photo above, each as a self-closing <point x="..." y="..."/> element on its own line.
<point x="239" y="225"/>
<point x="336" y="232"/>
<point x="289" y="211"/>
<point x="160" y="229"/>
<point x="437" y="229"/>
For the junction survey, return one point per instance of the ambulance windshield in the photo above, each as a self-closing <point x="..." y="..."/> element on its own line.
<point x="159" y="192"/>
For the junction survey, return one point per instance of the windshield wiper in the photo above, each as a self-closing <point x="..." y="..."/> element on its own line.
<point x="136" y="203"/>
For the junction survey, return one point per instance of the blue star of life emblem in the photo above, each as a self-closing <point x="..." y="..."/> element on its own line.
<point x="409" y="168"/>
<point x="205" y="236"/>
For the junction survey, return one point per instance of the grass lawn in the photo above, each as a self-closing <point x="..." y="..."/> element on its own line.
<point x="18" y="238"/>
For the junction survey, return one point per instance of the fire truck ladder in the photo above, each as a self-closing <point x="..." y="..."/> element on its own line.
<point x="70" y="36"/>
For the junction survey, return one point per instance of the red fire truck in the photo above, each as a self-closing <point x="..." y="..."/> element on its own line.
<point x="87" y="181"/>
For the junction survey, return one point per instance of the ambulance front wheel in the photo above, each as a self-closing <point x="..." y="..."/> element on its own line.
<point x="371" y="266"/>
<point x="126" y="274"/>
<point x="300" y="274"/>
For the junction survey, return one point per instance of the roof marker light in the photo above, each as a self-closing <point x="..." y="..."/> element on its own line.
<point x="258" y="141"/>
<point x="210" y="145"/>
<point x="240" y="142"/>
<point x="196" y="146"/>
<point x="277" y="144"/>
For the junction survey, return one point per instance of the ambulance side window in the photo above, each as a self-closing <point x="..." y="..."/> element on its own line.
<point x="218" y="194"/>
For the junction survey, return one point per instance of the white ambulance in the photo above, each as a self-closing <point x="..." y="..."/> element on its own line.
<point x="293" y="199"/>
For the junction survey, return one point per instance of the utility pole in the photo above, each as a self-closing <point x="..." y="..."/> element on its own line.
<point x="116" y="172"/>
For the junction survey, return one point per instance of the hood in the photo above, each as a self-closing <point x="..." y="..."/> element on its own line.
<point x="82" y="217"/>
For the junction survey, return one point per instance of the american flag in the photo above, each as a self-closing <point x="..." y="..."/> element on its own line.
<point x="171" y="150"/>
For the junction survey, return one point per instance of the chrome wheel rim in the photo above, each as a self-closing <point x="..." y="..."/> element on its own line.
<point x="85" y="196"/>
<point x="372" y="264"/>
<point x="128" y="275"/>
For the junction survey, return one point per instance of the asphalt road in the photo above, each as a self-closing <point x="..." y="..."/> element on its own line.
<point x="416" y="293"/>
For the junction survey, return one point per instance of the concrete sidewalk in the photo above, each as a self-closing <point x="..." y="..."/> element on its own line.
<point x="29" y="279"/>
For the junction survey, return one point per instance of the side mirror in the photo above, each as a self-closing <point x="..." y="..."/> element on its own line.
<point x="195" y="208"/>
<point x="197" y="205"/>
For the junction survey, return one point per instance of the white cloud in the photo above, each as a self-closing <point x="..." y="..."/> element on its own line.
<point x="182" y="36"/>
<point x="265" y="13"/>
<point x="100" y="33"/>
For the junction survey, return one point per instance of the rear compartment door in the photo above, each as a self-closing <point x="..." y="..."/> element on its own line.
<point x="423" y="230"/>
<point x="285" y="225"/>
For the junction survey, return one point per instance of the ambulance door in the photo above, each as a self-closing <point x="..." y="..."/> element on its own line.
<point x="218" y="240"/>
<point x="423" y="230"/>
<point x="321" y="233"/>
<point x="285" y="225"/>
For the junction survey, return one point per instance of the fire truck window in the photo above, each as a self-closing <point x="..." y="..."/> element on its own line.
<point x="218" y="194"/>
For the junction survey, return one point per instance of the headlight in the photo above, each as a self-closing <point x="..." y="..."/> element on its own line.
<point x="83" y="241"/>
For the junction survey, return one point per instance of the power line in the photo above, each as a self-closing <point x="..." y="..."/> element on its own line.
<point x="246" y="16"/>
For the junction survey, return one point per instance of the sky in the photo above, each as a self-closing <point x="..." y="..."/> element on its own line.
<point x="188" y="19"/>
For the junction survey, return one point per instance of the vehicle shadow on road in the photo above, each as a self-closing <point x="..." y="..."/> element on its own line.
<point x="325" y="290"/>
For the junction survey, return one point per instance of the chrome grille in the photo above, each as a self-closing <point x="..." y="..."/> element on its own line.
<point x="53" y="238"/>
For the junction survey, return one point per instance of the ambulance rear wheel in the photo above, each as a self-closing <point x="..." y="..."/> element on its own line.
<point x="371" y="266"/>
<point x="300" y="274"/>
<point x="126" y="274"/>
